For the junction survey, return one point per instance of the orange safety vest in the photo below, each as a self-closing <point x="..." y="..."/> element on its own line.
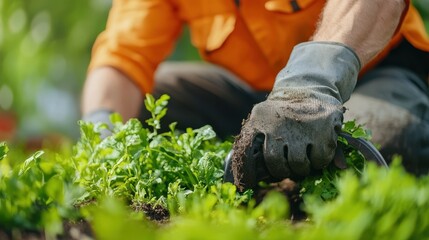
<point x="253" y="41"/>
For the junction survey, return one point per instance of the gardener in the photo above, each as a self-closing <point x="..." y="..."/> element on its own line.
<point x="327" y="48"/>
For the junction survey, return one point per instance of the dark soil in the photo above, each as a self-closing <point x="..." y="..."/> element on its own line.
<point x="73" y="230"/>
<point x="287" y="187"/>
<point x="155" y="213"/>
<point x="290" y="190"/>
<point x="81" y="229"/>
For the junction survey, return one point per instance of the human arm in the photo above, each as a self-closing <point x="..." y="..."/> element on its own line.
<point x="366" y="26"/>
<point x="138" y="36"/>
<point x="295" y="130"/>
<point x="108" y="89"/>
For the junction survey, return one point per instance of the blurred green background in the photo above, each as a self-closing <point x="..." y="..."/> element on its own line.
<point x="45" y="48"/>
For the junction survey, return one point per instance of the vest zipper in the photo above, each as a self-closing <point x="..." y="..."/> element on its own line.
<point x="237" y="3"/>
<point x="295" y="6"/>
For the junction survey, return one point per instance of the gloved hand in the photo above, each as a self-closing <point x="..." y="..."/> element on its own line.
<point x="296" y="128"/>
<point x="100" y="116"/>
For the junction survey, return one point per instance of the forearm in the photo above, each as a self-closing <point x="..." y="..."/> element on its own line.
<point x="366" y="26"/>
<point x="107" y="88"/>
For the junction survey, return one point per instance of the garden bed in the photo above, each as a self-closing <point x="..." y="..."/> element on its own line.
<point x="142" y="184"/>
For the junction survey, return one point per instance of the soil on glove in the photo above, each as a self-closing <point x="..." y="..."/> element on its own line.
<point x="241" y="144"/>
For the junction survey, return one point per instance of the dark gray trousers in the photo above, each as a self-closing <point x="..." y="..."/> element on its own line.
<point x="203" y="94"/>
<point x="394" y="104"/>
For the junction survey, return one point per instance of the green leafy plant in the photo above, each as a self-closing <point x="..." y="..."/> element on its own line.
<point x="325" y="185"/>
<point x="365" y="208"/>
<point x="3" y="150"/>
<point x="141" y="165"/>
<point x="380" y="204"/>
<point x="37" y="193"/>
<point x="182" y="172"/>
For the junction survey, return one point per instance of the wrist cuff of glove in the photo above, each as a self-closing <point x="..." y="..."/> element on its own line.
<point x="100" y="115"/>
<point x="328" y="67"/>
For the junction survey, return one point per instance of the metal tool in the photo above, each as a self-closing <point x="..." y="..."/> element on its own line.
<point x="366" y="148"/>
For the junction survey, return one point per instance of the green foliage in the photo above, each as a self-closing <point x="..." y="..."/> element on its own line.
<point x="209" y="218"/>
<point x="366" y="208"/>
<point x="37" y="194"/>
<point x="324" y="186"/>
<point x="138" y="164"/>
<point x="3" y="150"/>
<point x="182" y="171"/>
<point x="357" y="131"/>
<point x="121" y="224"/>
<point x="45" y="48"/>
<point x="207" y="201"/>
<point x="379" y="205"/>
<point x="157" y="109"/>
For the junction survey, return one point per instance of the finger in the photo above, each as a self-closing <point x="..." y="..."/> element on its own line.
<point x="325" y="142"/>
<point x="298" y="159"/>
<point x="339" y="158"/>
<point x="322" y="153"/>
<point x="275" y="155"/>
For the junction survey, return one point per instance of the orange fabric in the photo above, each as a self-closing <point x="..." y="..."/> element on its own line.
<point x="138" y="36"/>
<point x="253" y="41"/>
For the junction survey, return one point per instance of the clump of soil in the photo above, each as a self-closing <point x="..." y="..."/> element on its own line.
<point x="155" y="213"/>
<point x="290" y="190"/>
<point x="287" y="187"/>
<point x="79" y="230"/>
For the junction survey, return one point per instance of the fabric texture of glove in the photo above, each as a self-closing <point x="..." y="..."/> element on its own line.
<point x="295" y="129"/>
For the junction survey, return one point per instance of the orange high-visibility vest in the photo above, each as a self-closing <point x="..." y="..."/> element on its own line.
<point x="253" y="41"/>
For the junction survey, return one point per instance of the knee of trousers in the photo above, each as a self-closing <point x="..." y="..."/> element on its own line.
<point x="396" y="111"/>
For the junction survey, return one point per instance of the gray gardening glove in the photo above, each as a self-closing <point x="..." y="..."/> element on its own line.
<point x="296" y="128"/>
<point x="100" y="116"/>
